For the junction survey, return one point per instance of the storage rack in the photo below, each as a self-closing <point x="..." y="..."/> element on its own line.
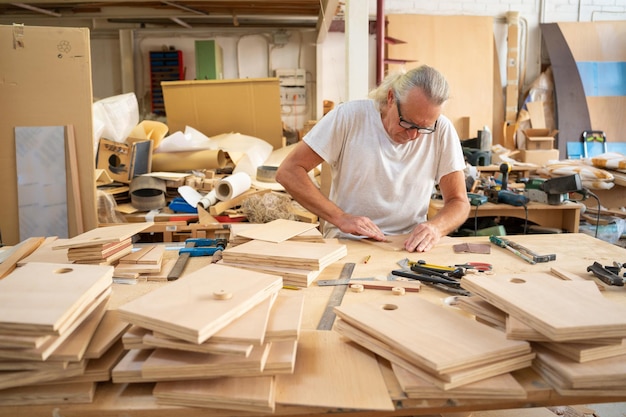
<point x="164" y="66"/>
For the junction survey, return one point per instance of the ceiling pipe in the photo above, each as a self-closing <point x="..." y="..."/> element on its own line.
<point x="380" y="40"/>
<point x="181" y="22"/>
<point x="182" y="7"/>
<point x="37" y="9"/>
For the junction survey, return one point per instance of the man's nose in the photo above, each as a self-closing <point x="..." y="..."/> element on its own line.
<point x="413" y="133"/>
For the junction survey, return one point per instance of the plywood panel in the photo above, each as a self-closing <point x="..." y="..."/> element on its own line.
<point x="445" y="381"/>
<point x="596" y="41"/>
<point x="46" y="298"/>
<point x="288" y="254"/>
<point x="277" y="230"/>
<point x="392" y="320"/>
<point x="583" y="313"/>
<point x="191" y="309"/>
<point x="102" y="236"/>
<point x="602" y="373"/>
<point x="601" y="42"/>
<point x="332" y="373"/>
<point x="462" y="48"/>
<point x="254" y="394"/>
<point x="500" y="386"/>
<point x="67" y="81"/>
<point x="172" y="365"/>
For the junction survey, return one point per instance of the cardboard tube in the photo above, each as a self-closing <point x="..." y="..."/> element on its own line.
<point x="232" y="186"/>
<point x="189" y="160"/>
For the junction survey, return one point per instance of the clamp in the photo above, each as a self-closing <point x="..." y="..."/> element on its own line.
<point x="608" y="275"/>
<point x="196" y="247"/>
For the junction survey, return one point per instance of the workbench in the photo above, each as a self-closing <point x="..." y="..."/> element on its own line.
<point x="565" y="216"/>
<point x="574" y="252"/>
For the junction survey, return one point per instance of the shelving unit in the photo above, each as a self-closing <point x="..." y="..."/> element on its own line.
<point x="164" y="66"/>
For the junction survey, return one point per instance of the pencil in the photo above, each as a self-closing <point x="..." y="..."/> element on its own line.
<point x="367" y="258"/>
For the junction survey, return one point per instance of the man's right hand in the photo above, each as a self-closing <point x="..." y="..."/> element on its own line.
<point x="360" y="226"/>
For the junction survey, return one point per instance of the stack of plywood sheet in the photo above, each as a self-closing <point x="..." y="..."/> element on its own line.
<point x="55" y="329"/>
<point x="577" y="334"/>
<point x="103" y="245"/>
<point x="299" y="263"/>
<point x="202" y="334"/>
<point x="440" y="346"/>
<point x="143" y="263"/>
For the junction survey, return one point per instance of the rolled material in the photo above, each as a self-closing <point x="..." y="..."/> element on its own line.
<point x="232" y="186"/>
<point x="208" y="200"/>
<point x="147" y="193"/>
<point x="187" y="161"/>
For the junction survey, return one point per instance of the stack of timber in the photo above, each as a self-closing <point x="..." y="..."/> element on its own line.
<point x="459" y="352"/>
<point x="145" y="264"/>
<point x="272" y="250"/>
<point x="214" y="338"/>
<point x="578" y="335"/>
<point x="57" y="339"/>
<point x="102" y="245"/>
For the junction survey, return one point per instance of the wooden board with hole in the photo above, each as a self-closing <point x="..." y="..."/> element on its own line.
<point x="581" y="311"/>
<point x="445" y="381"/>
<point x="45" y="298"/>
<point x="93" y="312"/>
<point x="387" y="325"/>
<point x="192" y="308"/>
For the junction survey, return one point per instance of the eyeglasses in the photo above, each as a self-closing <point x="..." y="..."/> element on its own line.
<point x="408" y="125"/>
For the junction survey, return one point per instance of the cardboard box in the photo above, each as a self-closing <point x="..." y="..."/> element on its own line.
<point x="247" y="106"/>
<point x="124" y="161"/>
<point x="539" y="157"/>
<point x="46" y="81"/>
<point x="540" y="138"/>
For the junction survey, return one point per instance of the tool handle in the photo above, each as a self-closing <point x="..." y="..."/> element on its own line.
<point x="424" y="278"/>
<point x="193" y="252"/>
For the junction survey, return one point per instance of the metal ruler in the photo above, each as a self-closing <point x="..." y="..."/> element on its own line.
<point x="328" y="317"/>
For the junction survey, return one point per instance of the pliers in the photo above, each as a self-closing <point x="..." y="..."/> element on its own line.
<point x="479" y="266"/>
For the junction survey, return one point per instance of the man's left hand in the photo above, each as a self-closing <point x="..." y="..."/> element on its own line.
<point x="423" y="238"/>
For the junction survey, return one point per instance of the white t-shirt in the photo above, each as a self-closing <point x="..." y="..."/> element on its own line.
<point x="372" y="176"/>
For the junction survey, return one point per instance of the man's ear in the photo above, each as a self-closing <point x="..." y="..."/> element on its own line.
<point x="390" y="97"/>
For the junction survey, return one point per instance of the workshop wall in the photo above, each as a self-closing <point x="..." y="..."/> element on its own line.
<point x="252" y="54"/>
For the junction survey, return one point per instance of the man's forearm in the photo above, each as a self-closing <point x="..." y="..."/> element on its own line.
<point x="451" y="216"/>
<point x="302" y="189"/>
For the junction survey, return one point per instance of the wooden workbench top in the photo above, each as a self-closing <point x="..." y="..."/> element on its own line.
<point x="574" y="253"/>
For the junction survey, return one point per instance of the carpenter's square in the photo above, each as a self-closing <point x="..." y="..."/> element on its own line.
<point x="329" y="282"/>
<point x="328" y="317"/>
<point x="195" y="247"/>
